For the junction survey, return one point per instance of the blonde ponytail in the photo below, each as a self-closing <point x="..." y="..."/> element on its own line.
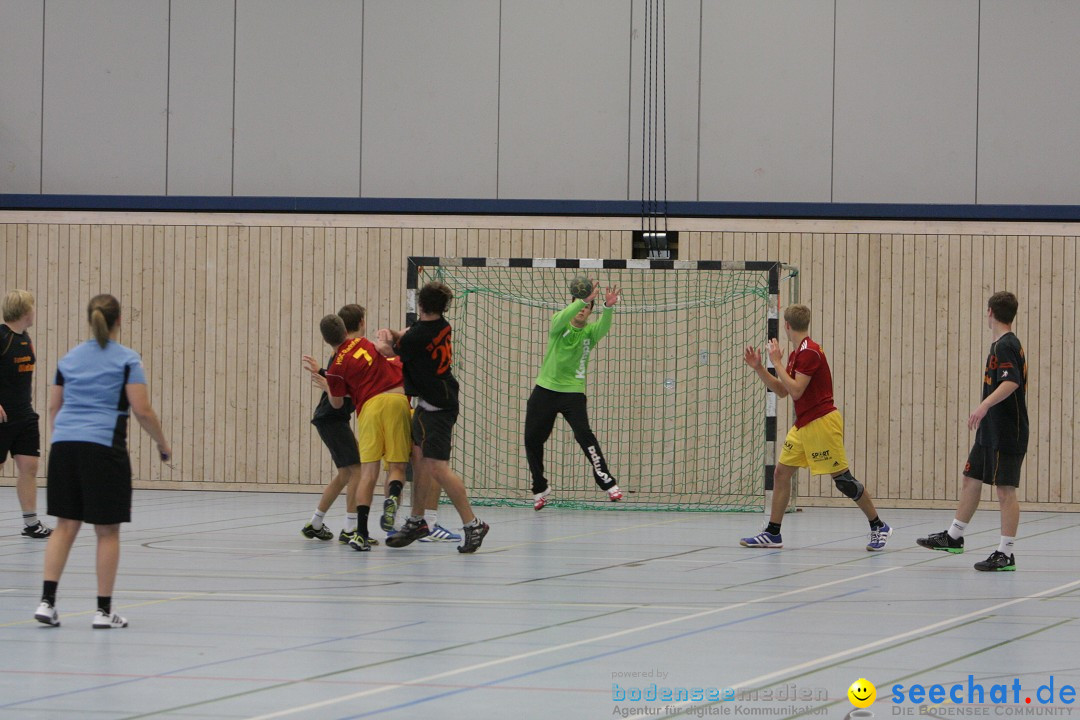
<point x="103" y="312"/>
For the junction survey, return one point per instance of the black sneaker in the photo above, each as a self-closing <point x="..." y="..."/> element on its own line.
<point x="942" y="541"/>
<point x="323" y="533"/>
<point x="997" y="562"/>
<point x="345" y="537"/>
<point x="389" y="513"/>
<point x="408" y="533"/>
<point x="474" y="535"/>
<point x="39" y="531"/>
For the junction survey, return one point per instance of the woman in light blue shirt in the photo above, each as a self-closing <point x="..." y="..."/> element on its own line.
<point x="89" y="472"/>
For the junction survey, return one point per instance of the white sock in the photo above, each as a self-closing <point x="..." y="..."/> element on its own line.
<point x="956" y="530"/>
<point x="30" y="519"/>
<point x="317" y="519"/>
<point x="431" y="517"/>
<point x="1007" y="544"/>
<point x="350" y="522"/>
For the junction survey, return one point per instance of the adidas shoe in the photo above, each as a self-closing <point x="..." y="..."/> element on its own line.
<point x="389" y="513"/>
<point x="997" y="562"/>
<point x="344" y="537"/>
<point x="614" y="493"/>
<point x="360" y="543"/>
<point x="763" y="540"/>
<point x="47" y="615"/>
<point x="942" y="541"/>
<point x="474" y="536"/>
<point x="323" y="533"/>
<point x="40" y="531"/>
<point x="410" y="531"/>
<point x="540" y="499"/>
<point x="106" y="621"/>
<point x="879" y="538"/>
<point x="441" y="534"/>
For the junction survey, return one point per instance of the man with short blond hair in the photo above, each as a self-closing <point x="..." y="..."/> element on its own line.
<point x="19" y="432"/>
<point x="817" y="438"/>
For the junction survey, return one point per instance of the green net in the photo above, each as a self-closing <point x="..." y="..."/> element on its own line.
<point x="679" y="416"/>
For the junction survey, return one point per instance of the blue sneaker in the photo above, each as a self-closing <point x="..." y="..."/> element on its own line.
<point x="763" y="540"/>
<point x="441" y="534"/>
<point x="878" y="538"/>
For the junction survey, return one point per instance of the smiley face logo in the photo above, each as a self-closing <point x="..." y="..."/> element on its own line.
<point x="862" y="693"/>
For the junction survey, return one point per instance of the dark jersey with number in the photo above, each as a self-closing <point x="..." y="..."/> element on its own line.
<point x="17" y="362"/>
<point x="426" y="354"/>
<point x="1005" y="427"/>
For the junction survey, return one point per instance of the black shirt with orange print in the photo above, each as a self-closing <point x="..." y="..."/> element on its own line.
<point x="426" y="356"/>
<point x="1005" y="427"/>
<point x="17" y="362"/>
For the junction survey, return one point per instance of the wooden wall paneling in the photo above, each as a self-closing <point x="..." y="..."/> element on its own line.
<point x="922" y="365"/>
<point x="1069" y="369"/>
<point x="288" y="364"/>
<point x="190" y="454"/>
<point x="1055" y="246"/>
<point x="949" y="341"/>
<point x="1047" y="346"/>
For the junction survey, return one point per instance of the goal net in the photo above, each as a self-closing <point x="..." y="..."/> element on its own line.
<point x="682" y="422"/>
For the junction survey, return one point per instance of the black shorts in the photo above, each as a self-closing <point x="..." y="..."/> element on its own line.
<point x="432" y="431"/>
<point x="89" y="482"/>
<point x="339" y="440"/>
<point x="20" y="437"/>
<point x="993" y="467"/>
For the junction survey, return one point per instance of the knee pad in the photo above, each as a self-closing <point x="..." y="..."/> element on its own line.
<point x="848" y="485"/>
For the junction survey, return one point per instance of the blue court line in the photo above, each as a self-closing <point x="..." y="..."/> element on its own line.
<point x="557" y="666"/>
<point x="209" y="664"/>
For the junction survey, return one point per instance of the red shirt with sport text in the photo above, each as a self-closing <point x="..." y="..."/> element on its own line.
<point x="817" y="400"/>
<point x="361" y="372"/>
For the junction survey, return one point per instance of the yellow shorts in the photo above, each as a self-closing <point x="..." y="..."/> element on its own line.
<point x="818" y="445"/>
<point x="383" y="429"/>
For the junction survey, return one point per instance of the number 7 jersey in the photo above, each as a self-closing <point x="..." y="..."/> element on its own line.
<point x="361" y="372"/>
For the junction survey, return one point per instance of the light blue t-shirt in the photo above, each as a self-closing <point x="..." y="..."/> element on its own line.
<point x="95" y="407"/>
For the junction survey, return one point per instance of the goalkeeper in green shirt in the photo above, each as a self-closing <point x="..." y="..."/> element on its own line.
<point x="560" y="388"/>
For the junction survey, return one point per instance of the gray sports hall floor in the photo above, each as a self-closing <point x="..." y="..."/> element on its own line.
<point x="235" y="615"/>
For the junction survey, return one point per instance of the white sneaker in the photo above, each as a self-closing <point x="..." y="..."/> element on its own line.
<point x="540" y="499"/>
<point x="614" y="493"/>
<point x="104" y="621"/>
<point x="47" y="615"/>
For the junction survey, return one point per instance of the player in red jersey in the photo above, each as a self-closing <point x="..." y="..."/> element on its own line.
<point x="360" y="372"/>
<point x="817" y="438"/>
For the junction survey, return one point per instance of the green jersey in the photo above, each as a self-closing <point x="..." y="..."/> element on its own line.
<point x="567" y="356"/>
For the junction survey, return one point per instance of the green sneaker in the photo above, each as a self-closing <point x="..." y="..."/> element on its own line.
<point x="997" y="562"/>
<point x="942" y="541"/>
<point x="322" y="533"/>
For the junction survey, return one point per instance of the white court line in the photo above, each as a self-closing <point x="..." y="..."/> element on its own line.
<point x="567" y="646"/>
<point x="763" y="679"/>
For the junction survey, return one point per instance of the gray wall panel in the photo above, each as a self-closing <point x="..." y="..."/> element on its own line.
<point x="20" y="95"/>
<point x="766" y="97"/>
<point x="564" y="98"/>
<point x="298" y="93"/>
<point x="682" y="19"/>
<point x="431" y="98"/>
<point x="906" y="84"/>
<point x="1029" y="104"/>
<point x="200" y="97"/>
<point x="105" y="96"/>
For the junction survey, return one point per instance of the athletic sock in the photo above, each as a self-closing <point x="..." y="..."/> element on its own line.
<point x="395" y="489"/>
<point x="104" y="604"/>
<point x="30" y="519"/>
<point x="350" y="522"/>
<point x="1007" y="544"/>
<point x="431" y="517"/>
<point x="876" y="523"/>
<point x="475" y="523"/>
<point x="956" y="530"/>
<point x="773" y="528"/>
<point x="48" y="591"/>
<point x="362" y="512"/>
<point x="317" y="519"/>
<point x="416" y="518"/>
